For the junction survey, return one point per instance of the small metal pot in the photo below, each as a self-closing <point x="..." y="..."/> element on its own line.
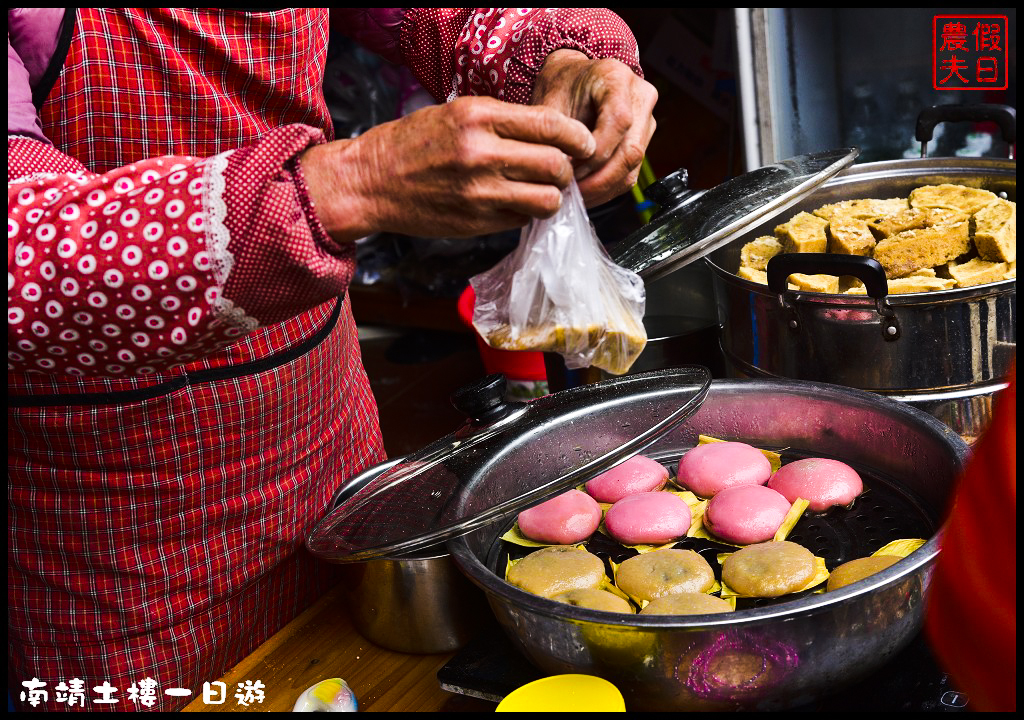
<point x="390" y="521"/>
<point x="419" y="603"/>
<point x="778" y="655"/>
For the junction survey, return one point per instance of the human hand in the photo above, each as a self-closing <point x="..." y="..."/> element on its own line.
<point x="472" y="166"/>
<point x="611" y="100"/>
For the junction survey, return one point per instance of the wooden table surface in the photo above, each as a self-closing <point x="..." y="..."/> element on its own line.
<point x="321" y="643"/>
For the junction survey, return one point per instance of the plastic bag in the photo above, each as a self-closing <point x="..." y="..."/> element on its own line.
<point x="558" y="291"/>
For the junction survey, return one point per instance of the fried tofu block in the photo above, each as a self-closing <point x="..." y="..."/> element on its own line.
<point x="916" y="284"/>
<point x="865" y="209"/>
<point x="855" y="287"/>
<point x="758" y="276"/>
<point x="905" y="252"/>
<point x="815" y="283"/>
<point x="923" y="242"/>
<point x="909" y="284"/>
<point x="846" y="282"/>
<point x="995" y="231"/>
<point x="753" y="274"/>
<point x="848" y="236"/>
<point x="614" y="350"/>
<point x="756" y="253"/>
<point x="908" y="219"/>
<point x="913" y="219"/>
<point x="977" y="272"/>
<point x="803" y="233"/>
<point x="943" y="216"/>
<point x="953" y="197"/>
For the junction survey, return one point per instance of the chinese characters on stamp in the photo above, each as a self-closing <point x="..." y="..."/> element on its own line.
<point x="969" y="52"/>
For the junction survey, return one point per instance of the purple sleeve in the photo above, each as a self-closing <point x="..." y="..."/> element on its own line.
<point x="22" y="118"/>
<point x="31" y="40"/>
<point x="33" y="33"/>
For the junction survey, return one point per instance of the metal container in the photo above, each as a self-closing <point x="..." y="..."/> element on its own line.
<point x="389" y="523"/>
<point x="946" y="352"/>
<point x="419" y="603"/>
<point x="764" y="658"/>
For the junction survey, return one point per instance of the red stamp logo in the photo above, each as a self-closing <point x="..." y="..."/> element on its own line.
<point x="969" y="52"/>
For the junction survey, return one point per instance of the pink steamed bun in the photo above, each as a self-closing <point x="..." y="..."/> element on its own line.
<point x="821" y="482"/>
<point x="746" y="514"/>
<point x="636" y="475"/>
<point x="566" y="519"/>
<point x="709" y="469"/>
<point x="651" y="518"/>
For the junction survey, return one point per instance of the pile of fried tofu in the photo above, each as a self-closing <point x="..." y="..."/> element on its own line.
<point x="941" y="237"/>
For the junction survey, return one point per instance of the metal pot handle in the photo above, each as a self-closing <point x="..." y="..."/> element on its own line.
<point x="865" y="269"/>
<point x="1002" y="115"/>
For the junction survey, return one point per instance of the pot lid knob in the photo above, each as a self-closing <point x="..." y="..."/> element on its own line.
<point x="670" y="189"/>
<point x="483" y="401"/>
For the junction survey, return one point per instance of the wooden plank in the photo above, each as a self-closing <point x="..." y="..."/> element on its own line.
<point x="321" y="643"/>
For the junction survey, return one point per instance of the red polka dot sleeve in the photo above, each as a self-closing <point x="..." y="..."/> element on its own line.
<point x="117" y="273"/>
<point x="499" y="51"/>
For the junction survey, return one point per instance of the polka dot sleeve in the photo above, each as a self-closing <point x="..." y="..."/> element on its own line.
<point x="117" y="273"/>
<point x="499" y="51"/>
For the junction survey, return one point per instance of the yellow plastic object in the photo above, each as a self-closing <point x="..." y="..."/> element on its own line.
<point x="564" y="693"/>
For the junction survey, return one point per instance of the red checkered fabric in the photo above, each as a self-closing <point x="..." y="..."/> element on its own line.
<point x="188" y="82"/>
<point x="184" y="386"/>
<point x="179" y="413"/>
<point x="499" y="51"/>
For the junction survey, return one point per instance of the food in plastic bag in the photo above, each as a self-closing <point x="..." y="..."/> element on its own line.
<point x="558" y="291"/>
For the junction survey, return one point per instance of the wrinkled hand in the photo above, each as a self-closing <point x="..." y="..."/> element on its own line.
<point x="472" y="166"/>
<point x="615" y="104"/>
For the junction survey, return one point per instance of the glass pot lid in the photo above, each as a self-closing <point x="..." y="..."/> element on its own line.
<point x="508" y="457"/>
<point x="692" y="224"/>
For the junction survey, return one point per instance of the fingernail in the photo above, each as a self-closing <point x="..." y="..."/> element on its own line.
<point x="583" y="171"/>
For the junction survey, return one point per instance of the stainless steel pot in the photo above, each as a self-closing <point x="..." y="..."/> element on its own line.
<point x="768" y="657"/>
<point x="418" y="603"/>
<point x="390" y="522"/>
<point x="946" y="352"/>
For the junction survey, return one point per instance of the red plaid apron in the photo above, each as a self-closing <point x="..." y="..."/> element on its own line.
<point x="156" y="525"/>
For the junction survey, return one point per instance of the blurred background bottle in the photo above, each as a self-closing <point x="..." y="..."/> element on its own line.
<point x="954" y="134"/>
<point x="902" y="143"/>
<point x="864" y="128"/>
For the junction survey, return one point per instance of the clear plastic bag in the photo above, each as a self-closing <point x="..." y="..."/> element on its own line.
<point x="558" y="291"/>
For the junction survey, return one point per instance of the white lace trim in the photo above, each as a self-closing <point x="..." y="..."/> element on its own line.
<point x="77" y="177"/>
<point x="217" y="237"/>
<point x="34" y="177"/>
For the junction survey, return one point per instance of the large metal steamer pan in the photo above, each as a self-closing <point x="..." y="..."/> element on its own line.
<point x="766" y="657"/>
<point x="953" y="346"/>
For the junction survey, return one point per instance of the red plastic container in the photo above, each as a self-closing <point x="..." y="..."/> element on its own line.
<point x="512" y="364"/>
